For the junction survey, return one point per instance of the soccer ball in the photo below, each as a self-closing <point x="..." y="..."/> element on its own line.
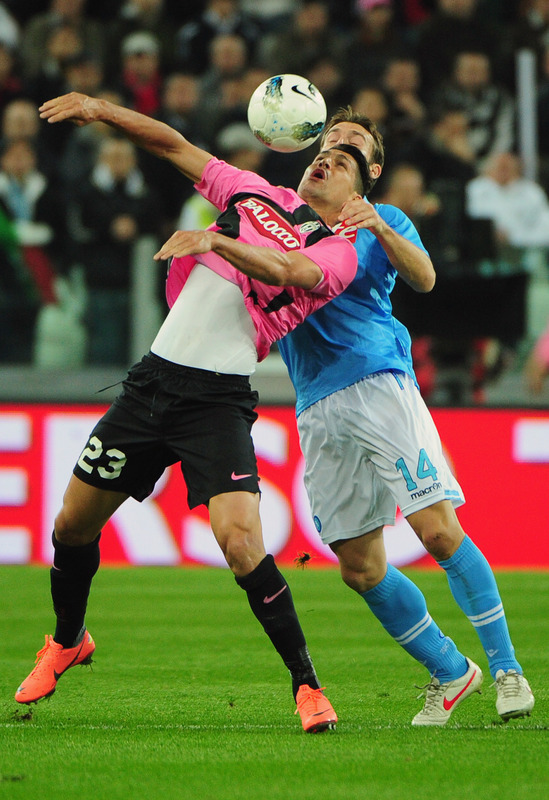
<point x="287" y="113"/>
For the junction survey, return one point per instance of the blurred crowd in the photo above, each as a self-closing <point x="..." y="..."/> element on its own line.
<point x="437" y="76"/>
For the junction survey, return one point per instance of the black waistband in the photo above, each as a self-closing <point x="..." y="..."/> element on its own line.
<point x="220" y="378"/>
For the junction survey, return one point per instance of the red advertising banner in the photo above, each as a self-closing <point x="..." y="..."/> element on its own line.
<point x="500" y="457"/>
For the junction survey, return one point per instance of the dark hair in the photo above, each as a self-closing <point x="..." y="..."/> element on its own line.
<point x="362" y="164"/>
<point x="346" y="114"/>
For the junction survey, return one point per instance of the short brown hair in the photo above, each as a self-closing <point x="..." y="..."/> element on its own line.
<point x="347" y="114"/>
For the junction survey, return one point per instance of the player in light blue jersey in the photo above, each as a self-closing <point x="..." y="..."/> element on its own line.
<point x="370" y="445"/>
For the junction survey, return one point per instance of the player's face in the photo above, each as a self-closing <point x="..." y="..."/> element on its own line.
<point x="350" y="133"/>
<point x="332" y="176"/>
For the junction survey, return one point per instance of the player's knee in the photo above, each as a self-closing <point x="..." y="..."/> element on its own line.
<point x="69" y="529"/>
<point x="242" y="547"/>
<point x="438" y="529"/>
<point x="361" y="579"/>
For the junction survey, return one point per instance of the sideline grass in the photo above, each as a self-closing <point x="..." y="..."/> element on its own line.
<point x="187" y="699"/>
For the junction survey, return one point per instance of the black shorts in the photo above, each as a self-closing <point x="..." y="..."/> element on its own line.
<point x="167" y="413"/>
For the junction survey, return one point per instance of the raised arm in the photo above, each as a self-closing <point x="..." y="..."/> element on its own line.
<point x="411" y="262"/>
<point x="150" y="134"/>
<point x="266" y="264"/>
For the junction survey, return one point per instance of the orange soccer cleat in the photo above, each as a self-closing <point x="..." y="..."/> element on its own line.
<point x="315" y="710"/>
<point x="51" y="662"/>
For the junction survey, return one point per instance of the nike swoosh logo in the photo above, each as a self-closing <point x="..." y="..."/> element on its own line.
<point x="274" y="596"/>
<point x="236" y="477"/>
<point x="448" y="704"/>
<point x="298" y="91"/>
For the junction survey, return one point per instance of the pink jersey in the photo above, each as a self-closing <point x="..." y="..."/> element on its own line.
<point x="257" y="213"/>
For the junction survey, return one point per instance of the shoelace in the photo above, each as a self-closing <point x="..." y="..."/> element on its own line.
<point x="431" y="692"/>
<point x="509" y="685"/>
<point x="41" y="653"/>
<point x="308" y="703"/>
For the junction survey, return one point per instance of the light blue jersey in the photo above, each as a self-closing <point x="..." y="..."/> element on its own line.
<point x="355" y="334"/>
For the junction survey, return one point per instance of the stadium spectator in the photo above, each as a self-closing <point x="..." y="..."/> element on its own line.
<point x="220" y="96"/>
<point x="136" y="16"/>
<point x="11" y="84"/>
<point x="374" y="42"/>
<point x="310" y="37"/>
<point x="20" y="121"/>
<point x="489" y="107"/>
<point x="269" y="15"/>
<point x="140" y="78"/>
<point x="112" y="208"/>
<point x="401" y="81"/>
<point x="219" y="17"/>
<point x="518" y="206"/>
<point x="456" y="26"/>
<point x="10" y="30"/>
<point x="38" y="42"/>
<point x="442" y="152"/>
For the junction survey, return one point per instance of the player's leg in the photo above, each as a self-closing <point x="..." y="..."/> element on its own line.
<point x="336" y="435"/>
<point x="76" y="560"/>
<point x="474" y="588"/>
<point x="236" y="524"/>
<point x="398" y="604"/>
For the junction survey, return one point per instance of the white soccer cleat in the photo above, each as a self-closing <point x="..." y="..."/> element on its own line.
<point x="441" y="699"/>
<point x="515" y="698"/>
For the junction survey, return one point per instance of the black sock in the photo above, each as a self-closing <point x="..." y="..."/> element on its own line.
<point x="271" y="601"/>
<point x="70" y="578"/>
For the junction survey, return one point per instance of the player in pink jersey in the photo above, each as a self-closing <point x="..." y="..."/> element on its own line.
<point x="269" y="260"/>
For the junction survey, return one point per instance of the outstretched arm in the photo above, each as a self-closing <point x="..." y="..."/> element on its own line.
<point x="266" y="264"/>
<point x="150" y="134"/>
<point x="411" y="262"/>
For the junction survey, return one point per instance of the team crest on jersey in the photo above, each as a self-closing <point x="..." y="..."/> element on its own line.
<point x="267" y="222"/>
<point x="309" y="227"/>
<point x="348" y="232"/>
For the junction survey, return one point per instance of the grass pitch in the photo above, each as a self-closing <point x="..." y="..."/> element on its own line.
<point x="187" y="698"/>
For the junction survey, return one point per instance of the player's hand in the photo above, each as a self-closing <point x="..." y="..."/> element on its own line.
<point x="75" y="107"/>
<point x="186" y="243"/>
<point x="361" y="214"/>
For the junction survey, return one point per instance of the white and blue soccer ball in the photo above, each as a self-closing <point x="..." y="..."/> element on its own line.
<point x="287" y="113"/>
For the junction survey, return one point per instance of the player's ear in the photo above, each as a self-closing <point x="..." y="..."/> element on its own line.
<point x="375" y="171"/>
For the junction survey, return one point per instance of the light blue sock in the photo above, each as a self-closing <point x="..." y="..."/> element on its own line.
<point x="401" y="608"/>
<point x="474" y="588"/>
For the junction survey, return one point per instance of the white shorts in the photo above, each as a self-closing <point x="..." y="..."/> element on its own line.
<point x="370" y="448"/>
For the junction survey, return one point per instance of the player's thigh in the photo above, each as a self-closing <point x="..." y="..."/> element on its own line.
<point x="125" y="452"/>
<point x="84" y="511"/>
<point x="406" y="448"/>
<point x="345" y="493"/>
<point x="217" y="451"/>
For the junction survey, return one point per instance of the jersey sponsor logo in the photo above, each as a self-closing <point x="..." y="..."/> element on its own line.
<point x="268" y="223"/>
<point x="348" y="232"/>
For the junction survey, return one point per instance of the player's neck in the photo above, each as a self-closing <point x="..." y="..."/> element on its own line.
<point x="327" y="211"/>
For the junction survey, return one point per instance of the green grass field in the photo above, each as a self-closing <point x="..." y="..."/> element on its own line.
<point x="187" y="699"/>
